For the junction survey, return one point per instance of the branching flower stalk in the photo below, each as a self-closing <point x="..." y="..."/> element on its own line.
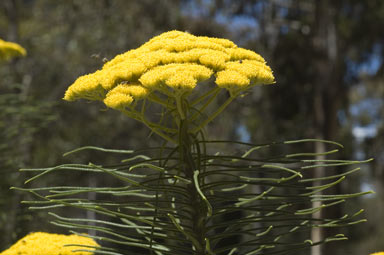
<point x="177" y="197"/>
<point x="166" y="71"/>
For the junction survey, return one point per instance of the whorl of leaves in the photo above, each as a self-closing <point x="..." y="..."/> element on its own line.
<point x="244" y="204"/>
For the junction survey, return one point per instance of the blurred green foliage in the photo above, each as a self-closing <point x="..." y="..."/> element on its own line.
<point x="327" y="57"/>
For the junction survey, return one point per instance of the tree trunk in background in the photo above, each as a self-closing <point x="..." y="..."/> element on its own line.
<point x="328" y="92"/>
<point x="317" y="233"/>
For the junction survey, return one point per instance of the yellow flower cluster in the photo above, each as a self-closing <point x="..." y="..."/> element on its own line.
<point x="378" y="253"/>
<point x="124" y="94"/>
<point x="40" y="243"/>
<point x="171" y="63"/>
<point x="9" y="50"/>
<point x="180" y="77"/>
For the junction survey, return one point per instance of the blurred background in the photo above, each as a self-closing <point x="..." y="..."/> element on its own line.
<point x="327" y="57"/>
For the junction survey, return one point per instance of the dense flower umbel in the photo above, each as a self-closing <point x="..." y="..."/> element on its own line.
<point x="172" y="63"/>
<point x="41" y="243"/>
<point x="165" y="71"/>
<point x="9" y="50"/>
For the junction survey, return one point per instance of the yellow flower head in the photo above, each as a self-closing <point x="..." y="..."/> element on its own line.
<point x="176" y="76"/>
<point x="122" y="95"/>
<point x="378" y="253"/>
<point x="40" y="243"/>
<point x="9" y="50"/>
<point x="172" y="63"/>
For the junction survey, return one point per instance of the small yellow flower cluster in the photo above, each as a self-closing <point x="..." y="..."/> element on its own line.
<point x="240" y="75"/>
<point x="180" y="77"/>
<point x="40" y="243"/>
<point x="171" y="63"/>
<point x="123" y="95"/>
<point x="9" y="50"/>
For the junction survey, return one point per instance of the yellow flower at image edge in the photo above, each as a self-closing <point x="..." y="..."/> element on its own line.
<point x="377" y="253"/>
<point x="172" y="64"/>
<point x="10" y="49"/>
<point x="40" y="243"/>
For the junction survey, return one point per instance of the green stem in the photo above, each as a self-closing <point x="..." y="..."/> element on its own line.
<point x="154" y="127"/>
<point x="157" y="131"/>
<point x="213" y="115"/>
<point x="212" y="91"/>
<point x="206" y="104"/>
<point x="199" y="209"/>
<point x="158" y="100"/>
<point x="179" y="106"/>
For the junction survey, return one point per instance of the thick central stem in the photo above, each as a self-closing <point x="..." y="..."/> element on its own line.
<point x="197" y="206"/>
